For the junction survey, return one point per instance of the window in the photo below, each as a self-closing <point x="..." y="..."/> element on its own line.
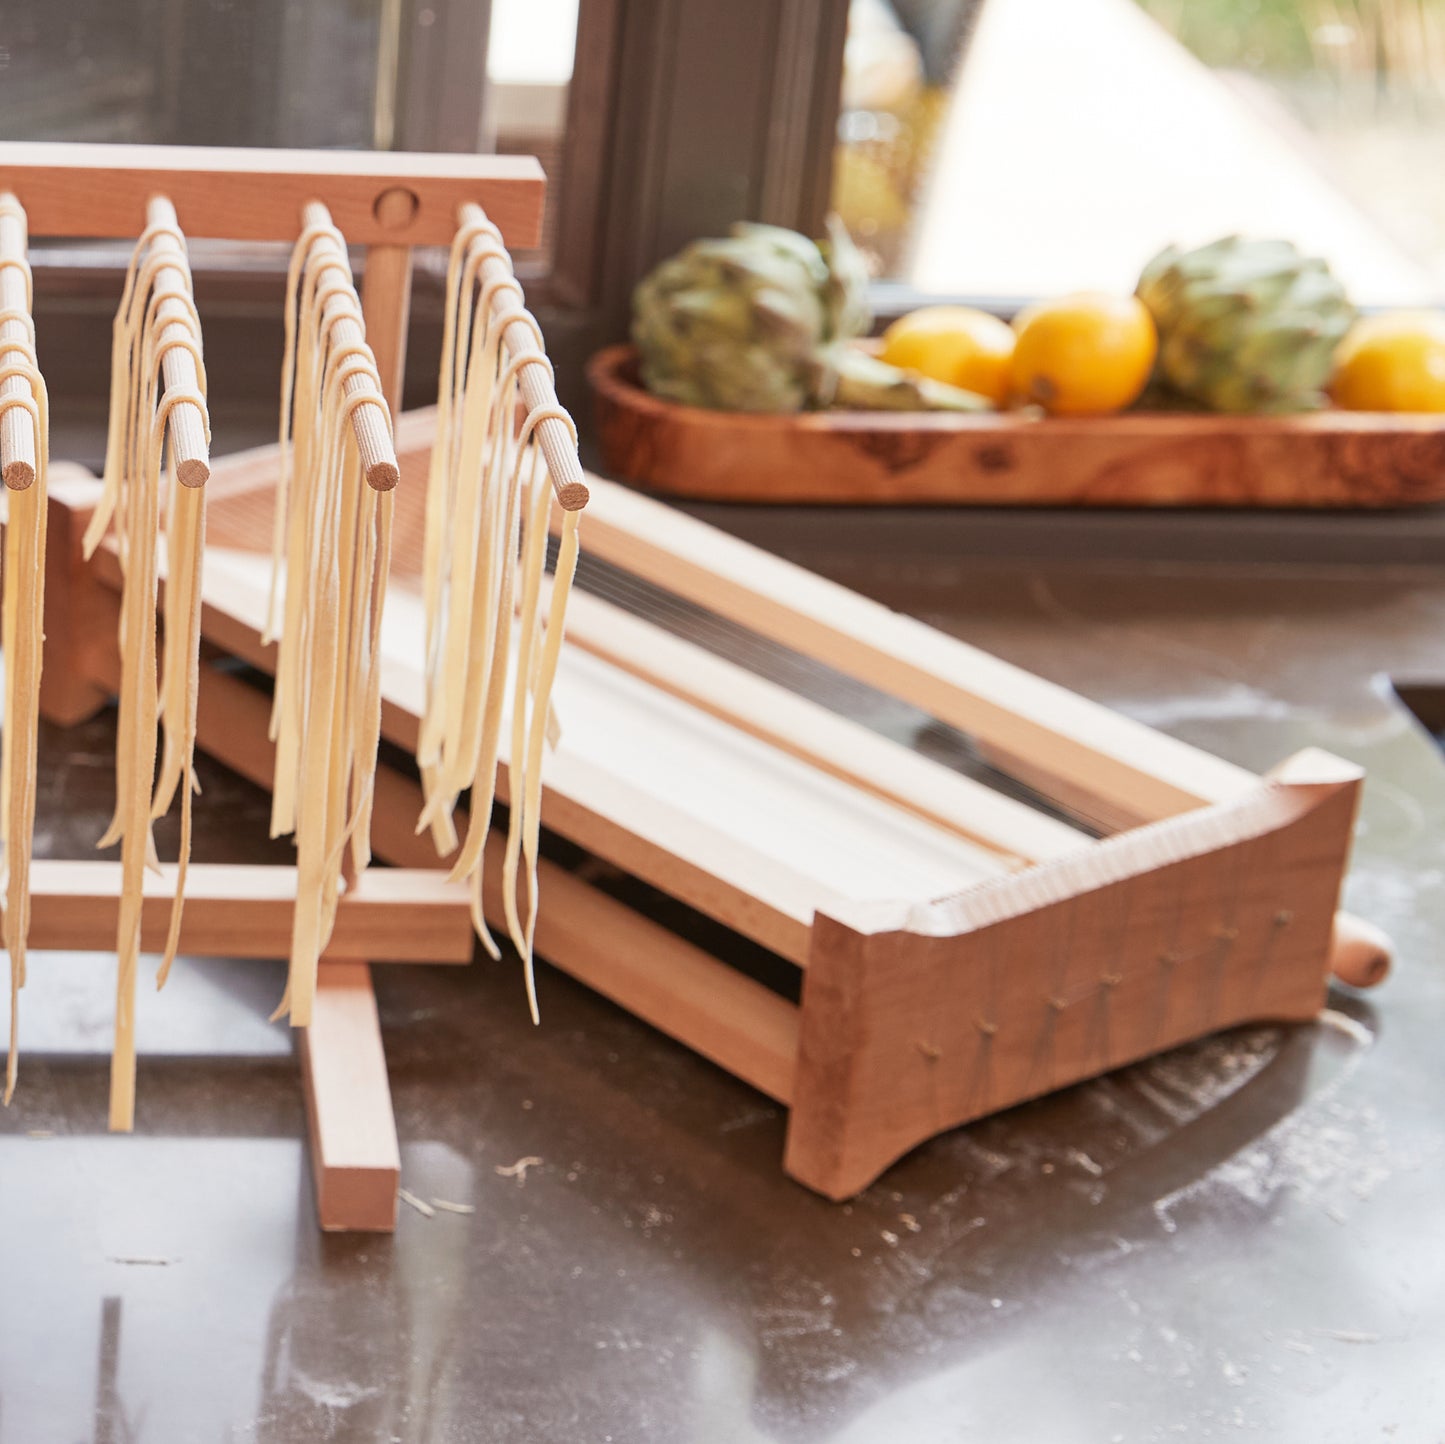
<point x="162" y="72"/>
<point x="529" y="70"/>
<point x="327" y="74"/>
<point x="351" y="74"/>
<point x="1008" y="148"/>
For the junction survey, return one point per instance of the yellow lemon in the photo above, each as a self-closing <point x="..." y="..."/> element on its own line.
<point x="1083" y="355"/>
<point x="1394" y="362"/>
<point x="956" y="345"/>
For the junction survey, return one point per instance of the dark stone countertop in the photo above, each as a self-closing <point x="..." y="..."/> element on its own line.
<point x="1242" y="1238"/>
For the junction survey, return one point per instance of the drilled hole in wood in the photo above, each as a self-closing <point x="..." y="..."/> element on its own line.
<point x="395" y="209"/>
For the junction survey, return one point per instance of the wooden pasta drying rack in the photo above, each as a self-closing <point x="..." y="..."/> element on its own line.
<point x="389" y="204"/>
<point x="959" y="949"/>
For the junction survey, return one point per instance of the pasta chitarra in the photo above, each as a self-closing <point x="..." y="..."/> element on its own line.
<point x="332" y="550"/>
<point x="153" y="395"/>
<point x="22" y="397"/>
<point x="489" y="500"/>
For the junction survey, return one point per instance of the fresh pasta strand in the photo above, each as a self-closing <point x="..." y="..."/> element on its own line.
<point x="531" y="819"/>
<point x="487" y="520"/>
<point x="23" y="635"/>
<point x="531" y="709"/>
<point x="462" y="268"/>
<point x="155" y="689"/>
<point x="473" y="581"/>
<point x="331" y="549"/>
<point x="23" y="602"/>
<point x="185" y="544"/>
<point x="456" y="321"/>
<point x="290" y="403"/>
<point x="480" y="632"/>
<point x="529" y="653"/>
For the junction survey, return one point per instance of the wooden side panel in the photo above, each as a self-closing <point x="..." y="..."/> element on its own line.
<point x="355" y="1159"/>
<point x="915" y="1023"/>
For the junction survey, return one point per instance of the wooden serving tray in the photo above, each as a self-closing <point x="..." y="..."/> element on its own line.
<point x="887" y="946"/>
<point x="1324" y="459"/>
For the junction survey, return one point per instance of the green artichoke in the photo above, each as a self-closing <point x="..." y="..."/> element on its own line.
<point x="756" y="321"/>
<point x="1245" y="325"/>
<point x="855" y="381"/>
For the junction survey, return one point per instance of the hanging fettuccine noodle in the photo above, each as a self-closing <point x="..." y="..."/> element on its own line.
<point x="332" y="546"/>
<point x="25" y="442"/>
<point x="158" y="390"/>
<point x="489" y="500"/>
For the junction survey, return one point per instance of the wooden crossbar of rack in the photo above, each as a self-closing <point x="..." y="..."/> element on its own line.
<point x="390" y="204"/>
<point x="959" y="949"/>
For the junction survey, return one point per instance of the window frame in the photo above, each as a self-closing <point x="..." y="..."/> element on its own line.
<point x="674" y="129"/>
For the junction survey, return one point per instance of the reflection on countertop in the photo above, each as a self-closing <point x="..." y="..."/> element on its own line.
<point x="1241" y="1234"/>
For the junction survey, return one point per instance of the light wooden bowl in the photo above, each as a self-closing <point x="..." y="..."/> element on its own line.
<point x="1322" y="459"/>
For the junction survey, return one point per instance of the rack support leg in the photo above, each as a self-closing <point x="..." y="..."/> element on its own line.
<point x="355" y="1160"/>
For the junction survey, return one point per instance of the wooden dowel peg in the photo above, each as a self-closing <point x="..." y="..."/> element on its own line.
<point x="1360" y="953"/>
<point x="190" y="448"/>
<point x="370" y="422"/>
<point x="18" y="441"/>
<point x="534" y="382"/>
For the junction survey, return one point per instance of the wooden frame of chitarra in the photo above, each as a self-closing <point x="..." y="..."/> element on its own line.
<point x="388" y="203"/>
<point x="1212" y="902"/>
